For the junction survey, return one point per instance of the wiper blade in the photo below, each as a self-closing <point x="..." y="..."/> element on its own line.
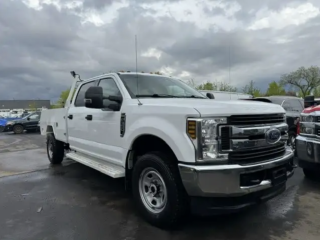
<point x="156" y="95"/>
<point x="193" y="96"/>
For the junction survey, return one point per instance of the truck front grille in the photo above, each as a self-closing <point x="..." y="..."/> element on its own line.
<point x="256" y="119"/>
<point x="261" y="154"/>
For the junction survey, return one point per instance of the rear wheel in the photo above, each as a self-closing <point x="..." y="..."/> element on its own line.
<point x="18" y="129"/>
<point x="55" y="149"/>
<point x="158" y="191"/>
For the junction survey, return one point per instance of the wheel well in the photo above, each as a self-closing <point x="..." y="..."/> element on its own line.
<point x="144" y="144"/>
<point x="49" y="129"/>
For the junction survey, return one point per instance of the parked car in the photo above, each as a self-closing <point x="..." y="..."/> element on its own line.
<point x="293" y="106"/>
<point x="28" y="123"/>
<point x="308" y="139"/>
<point x="176" y="152"/>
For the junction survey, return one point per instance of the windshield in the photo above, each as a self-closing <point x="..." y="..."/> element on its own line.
<point x="158" y="86"/>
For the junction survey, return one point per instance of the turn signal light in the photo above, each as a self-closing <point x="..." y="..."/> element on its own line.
<point x="191" y="129"/>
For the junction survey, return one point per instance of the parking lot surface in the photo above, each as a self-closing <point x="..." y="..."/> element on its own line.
<point x="73" y="201"/>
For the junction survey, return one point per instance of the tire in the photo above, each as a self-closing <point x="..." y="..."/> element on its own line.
<point x="55" y="149"/>
<point x="163" y="169"/>
<point x="18" y="129"/>
<point x="310" y="174"/>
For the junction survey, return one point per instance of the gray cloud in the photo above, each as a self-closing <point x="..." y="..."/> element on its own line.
<point x="39" y="48"/>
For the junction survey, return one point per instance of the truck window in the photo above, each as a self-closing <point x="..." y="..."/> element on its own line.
<point x="79" y="102"/>
<point x="287" y="105"/>
<point x="109" y="87"/>
<point x="296" y="105"/>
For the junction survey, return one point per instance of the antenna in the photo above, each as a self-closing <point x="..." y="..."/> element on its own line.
<point x="229" y="62"/>
<point x="136" y="48"/>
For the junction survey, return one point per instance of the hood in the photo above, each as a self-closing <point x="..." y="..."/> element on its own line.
<point x="311" y="109"/>
<point x="209" y="107"/>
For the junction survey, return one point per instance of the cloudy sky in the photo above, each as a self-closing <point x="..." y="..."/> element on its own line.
<point x="41" y="41"/>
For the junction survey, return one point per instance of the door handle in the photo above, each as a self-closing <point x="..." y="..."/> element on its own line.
<point x="89" y="117"/>
<point x="70" y="116"/>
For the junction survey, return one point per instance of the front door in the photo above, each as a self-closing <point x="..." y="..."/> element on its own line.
<point x="33" y="121"/>
<point x="105" y="126"/>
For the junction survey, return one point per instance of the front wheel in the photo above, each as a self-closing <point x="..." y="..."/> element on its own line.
<point x="158" y="191"/>
<point x="55" y="149"/>
<point x="18" y="129"/>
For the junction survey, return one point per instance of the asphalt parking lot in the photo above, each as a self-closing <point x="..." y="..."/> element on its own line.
<point x="73" y="201"/>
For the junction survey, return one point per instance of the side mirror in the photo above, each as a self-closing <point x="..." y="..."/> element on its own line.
<point x="117" y="99"/>
<point x="210" y="95"/>
<point x="28" y="119"/>
<point x="93" y="97"/>
<point x="114" y="106"/>
<point x="308" y="101"/>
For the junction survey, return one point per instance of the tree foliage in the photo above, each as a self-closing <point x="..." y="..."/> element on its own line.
<point x="303" y="79"/>
<point x="63" y="98"/>
<point x="216" y="86"/>
<point x="251" y="89"/>
<point x="275" y="89"/>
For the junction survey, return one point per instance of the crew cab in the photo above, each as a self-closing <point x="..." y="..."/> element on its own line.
<point x="177" y="149"/>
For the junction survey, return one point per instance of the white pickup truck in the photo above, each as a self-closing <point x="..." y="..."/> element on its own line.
<point x="177" y="149"/>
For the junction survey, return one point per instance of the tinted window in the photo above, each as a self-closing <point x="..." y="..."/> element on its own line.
<point x="80" y="97"/>
<point x="287" y="105"/>
<point x="109" y="87"/>
<point x="35" y="116"/>
<point x="296" y="105"/>
<point x="149" y="85"/>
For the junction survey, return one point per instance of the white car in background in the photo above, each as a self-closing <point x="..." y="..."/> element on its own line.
<point x="222" y="95"/>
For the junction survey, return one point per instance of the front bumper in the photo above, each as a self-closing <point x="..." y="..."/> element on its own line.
<point x="308" y="152"/>
<point x="8" y="128"/>
<point x="234" y="180"/>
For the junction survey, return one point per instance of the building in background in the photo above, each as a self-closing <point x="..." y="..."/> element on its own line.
<point x="21" y="105"/>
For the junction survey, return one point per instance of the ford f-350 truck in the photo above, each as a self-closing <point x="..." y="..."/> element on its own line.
<point x="177" y="149"/>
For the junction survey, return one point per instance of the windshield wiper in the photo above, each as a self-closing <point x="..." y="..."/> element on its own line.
<point x="157" y="95"/>
<point x="193" y="96"/>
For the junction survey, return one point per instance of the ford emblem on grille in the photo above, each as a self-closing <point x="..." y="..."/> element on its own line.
<point x="273" y="136"/>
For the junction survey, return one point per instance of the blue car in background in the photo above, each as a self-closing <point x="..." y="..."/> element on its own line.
<point x="3" y="121"/>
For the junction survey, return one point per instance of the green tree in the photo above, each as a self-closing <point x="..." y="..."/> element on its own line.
<point x="63" y="98"/>
<point x="303" y="79"/>
<point x="216" y="86"/>
<point x="251" y="89"/>
<point x="275" y="89"/>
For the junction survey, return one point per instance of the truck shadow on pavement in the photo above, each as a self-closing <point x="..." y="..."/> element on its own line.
<point x="77" y="202"/>
<point x="276" y="219"/>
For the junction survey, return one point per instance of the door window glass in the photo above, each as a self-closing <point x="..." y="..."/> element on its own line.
<point x="109" y="87"/>
<point x="79" y="102"/>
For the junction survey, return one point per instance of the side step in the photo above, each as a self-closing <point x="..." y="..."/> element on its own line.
<point x="109" y="169"/>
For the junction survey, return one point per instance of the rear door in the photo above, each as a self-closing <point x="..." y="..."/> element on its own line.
<point x="79" y="132"/>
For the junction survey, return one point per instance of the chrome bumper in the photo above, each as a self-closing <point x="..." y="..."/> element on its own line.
<point x="308" y="149"/>
<point x="224" y="180"/>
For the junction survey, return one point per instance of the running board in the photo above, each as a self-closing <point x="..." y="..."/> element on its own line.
<point x="107" y="168"/>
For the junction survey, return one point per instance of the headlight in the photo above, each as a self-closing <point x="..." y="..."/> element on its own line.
<point x="9" y="123"/>
<point x="307" y="130"/>
<point x="203" y="133"/>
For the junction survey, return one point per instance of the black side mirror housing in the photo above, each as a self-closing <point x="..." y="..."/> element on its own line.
<point x="114" y="106"/>
<point x="93" y="97"/>
<point x="28" y="119"/>
<point x="210" y="95"/>
<point x="308" y="101"/>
